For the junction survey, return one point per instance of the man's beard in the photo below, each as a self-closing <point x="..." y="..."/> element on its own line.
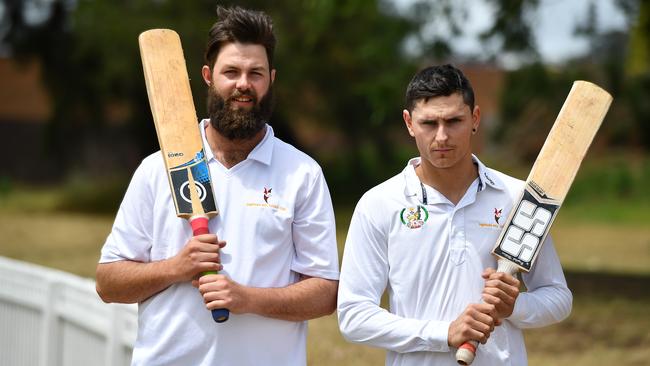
<point x="235" y="123"/>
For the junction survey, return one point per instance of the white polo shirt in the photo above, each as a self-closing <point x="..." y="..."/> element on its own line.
<point x="276" y="216"/>
<point x="429" y="255"/>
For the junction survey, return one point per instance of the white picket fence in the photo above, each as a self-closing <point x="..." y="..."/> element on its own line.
<point x="53" y="318"/>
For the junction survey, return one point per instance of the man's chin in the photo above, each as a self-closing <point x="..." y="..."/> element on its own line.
<point x="241" y="109"/>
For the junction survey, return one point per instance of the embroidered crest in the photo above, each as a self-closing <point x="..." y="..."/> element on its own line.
<point x="271" y="201"/>
<point x="497" y="215"/>
<point x="414" y="217"/>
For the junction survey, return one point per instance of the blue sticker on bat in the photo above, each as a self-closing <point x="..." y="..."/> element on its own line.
<point x="202" y="183"/>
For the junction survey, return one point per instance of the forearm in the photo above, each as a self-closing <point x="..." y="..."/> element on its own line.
<point x="307" y="299"/>
<point x="367" y="323"/>
<point x="548" y="299"/>
<point x="132" y="282"/>
<point x="541" y="307"/>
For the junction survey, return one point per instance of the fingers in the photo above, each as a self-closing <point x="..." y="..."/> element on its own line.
<point x="209" y="282"/>
<point x="219" y="291"/>
<point x="501" y="277"/>
<point x="487" y="272"/>
<point x="205" y="247"/>
<point x="501" y="290"/>
<point x="208" y="242"/>
<point x="475" y="323"/>
<point x="200" y="254"/>
<point x="207" y="238"/>
<point x="502" y="285"/>
<point x="495" y="296"/>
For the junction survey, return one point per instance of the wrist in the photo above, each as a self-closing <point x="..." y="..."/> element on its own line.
<point x="168" y="271"/>
<point x="250" y="300"/>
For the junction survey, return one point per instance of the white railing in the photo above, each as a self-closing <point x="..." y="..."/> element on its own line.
<point x="53" y="318"/>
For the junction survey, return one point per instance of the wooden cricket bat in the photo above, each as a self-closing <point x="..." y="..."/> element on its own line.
<point x="172" y="106"/>
<point x="547" y="185"/>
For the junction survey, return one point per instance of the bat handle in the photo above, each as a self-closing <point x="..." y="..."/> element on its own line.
<point x="200" y="226"/>
<point x="467" y="351"/>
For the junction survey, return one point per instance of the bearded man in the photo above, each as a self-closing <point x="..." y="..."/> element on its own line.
<point x="280" y="267"/>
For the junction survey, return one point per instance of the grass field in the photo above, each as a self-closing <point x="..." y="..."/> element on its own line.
<point x="609" y="323"/>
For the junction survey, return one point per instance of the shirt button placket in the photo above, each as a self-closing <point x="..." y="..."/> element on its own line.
<point x="457" y="235"/>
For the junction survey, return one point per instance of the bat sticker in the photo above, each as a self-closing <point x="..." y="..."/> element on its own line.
<point x="181" y="186"/>
<point x="521" y="240"/>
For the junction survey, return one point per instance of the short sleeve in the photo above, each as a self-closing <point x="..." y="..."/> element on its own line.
<point x="131" y="236"/>
<point x="314" y="231"/>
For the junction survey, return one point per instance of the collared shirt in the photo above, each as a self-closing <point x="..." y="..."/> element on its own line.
<point x="429" y="257"/>
<point x="277" y="219"/>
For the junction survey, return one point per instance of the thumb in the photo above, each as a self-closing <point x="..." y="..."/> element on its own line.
<point x="487" y="272"/>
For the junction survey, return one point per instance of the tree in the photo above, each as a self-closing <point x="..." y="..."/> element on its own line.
<point x="342" y="66"/>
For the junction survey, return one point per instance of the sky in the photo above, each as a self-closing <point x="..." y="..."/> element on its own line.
<point x="554" y="25"/>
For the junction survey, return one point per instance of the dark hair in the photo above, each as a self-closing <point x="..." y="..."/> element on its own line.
<point x="438" y="81"/>
<point x="241" y="25"/>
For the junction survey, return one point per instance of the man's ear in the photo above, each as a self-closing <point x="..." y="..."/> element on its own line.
<point x="272" y="75"/>
<point x="476" y="117"/>
<point x="408" y="121"/>
<point x="207" y="74"/>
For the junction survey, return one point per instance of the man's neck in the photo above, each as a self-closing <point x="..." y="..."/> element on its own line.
<point x="451" y="182"/>
<point x="231" y="152"/>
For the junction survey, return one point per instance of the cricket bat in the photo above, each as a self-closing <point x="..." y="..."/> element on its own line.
<point x="547" y="185"/>
<point x="174" y="116"/>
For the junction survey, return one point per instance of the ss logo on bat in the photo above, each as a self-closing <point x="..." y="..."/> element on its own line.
<point x="528" y="227"/>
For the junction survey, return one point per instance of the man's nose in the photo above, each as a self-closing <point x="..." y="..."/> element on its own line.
<point x="243" y="83"/>
<point x="441" y="133"/>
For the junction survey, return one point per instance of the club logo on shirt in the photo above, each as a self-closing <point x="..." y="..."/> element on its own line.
<point x="270" y="200"/>
<point x="267" y="194"/>
<point x="414" y="217"/>
<point x="497" y="214"/>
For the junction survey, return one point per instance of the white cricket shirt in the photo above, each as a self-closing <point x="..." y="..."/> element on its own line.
<point x="429" y="255"/>
<point x="276" y="216"/>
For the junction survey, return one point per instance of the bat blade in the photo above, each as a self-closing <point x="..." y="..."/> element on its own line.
<point x="174" y="115"/>
<point x="172" y="107"/>
<point x="552" y="174"/>
<point x="547" y="185"/>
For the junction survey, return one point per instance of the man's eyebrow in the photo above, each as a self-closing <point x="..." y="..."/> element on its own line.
<point x="435" y="119"/>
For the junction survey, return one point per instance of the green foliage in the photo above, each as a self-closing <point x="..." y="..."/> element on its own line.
<point x="341" y="64"/>
<point x="5" y="186"/>
<point x="637" y="97"/>
<point x="512" y="25"/>
<point x="613" y="189"/>
<point x="530" y="100"/>
<point x="83" y="195"/>
<point x="79" y="194"/>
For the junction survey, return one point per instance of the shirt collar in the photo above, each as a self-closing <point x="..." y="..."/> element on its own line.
<point x="486" y="176"/>
<point x="263" y="152"/>
<point x="414" y="188"/>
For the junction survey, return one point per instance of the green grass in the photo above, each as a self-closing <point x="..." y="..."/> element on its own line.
<point x="70" y="242"/>
<point x="624" y="212"/>
<point x="600" y="331"/>
<point x="601" y="246"/>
